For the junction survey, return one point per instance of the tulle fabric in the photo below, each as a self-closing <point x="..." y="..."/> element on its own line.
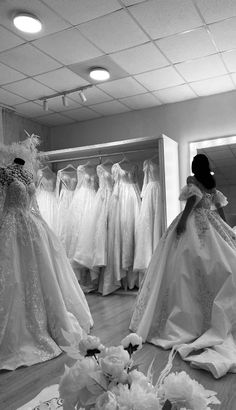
<point x="93" y="250"/>
<point x="122" y="223"/>
<point x="149" y="221"/>
<point x="48" y="207"/>
<point x="187" y="300"/>
<point x="39" y="292"/>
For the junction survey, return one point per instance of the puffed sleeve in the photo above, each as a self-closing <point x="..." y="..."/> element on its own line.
<point x="218" y="200"/>
<point x="189" y="190"/>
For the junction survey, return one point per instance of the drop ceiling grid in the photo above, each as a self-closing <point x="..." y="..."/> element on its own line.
<point x="189" y="42"/>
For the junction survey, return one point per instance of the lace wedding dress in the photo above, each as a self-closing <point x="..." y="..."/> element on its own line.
<point x="188" y="297"/>
<point x="46" y="199"/>
<point x="149" y="222"/>
<point x="122" y="223"/>
<point x="39" y="293"/>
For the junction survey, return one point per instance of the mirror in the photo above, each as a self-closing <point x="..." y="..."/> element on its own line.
<point x="221" y="153"/>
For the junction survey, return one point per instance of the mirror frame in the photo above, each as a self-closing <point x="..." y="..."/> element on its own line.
<point x="213" y="142"/>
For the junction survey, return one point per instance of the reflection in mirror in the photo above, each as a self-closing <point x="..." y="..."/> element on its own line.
<point x="221" y="153"/>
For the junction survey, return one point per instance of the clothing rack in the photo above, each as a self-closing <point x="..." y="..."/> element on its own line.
<point x="100" y="155"/>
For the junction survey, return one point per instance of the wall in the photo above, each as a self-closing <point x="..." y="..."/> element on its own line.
<point x="13" y="127"/>
<point x="185" y="121"/>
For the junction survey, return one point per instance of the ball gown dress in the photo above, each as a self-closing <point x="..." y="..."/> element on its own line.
<point x="39" y="293"/>
<point x="188" y="298"/>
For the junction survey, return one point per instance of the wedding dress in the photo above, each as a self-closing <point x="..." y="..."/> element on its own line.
<point x="39" y="293"/>
<point x="93" y="250"/>
<point x="46" y="197"/>
<point x="122" y="223"/>
<point x="149" y="221"/>
<point x="188" y="297"/>
<point x="65" y="186"/>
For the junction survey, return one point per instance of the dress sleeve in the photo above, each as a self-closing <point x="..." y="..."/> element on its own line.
<point x="190" y="190"/>
<point x="218" y="200"/>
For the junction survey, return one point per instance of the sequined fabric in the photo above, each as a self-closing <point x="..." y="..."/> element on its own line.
<point x="39" y="294"/>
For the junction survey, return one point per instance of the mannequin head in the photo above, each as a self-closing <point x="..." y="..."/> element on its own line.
<point x="202" y="172"/>
<point x="19" y="161"/>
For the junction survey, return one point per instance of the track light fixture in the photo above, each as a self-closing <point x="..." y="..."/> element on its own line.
<point x="82" y="97"/>
<point x="64" y="101"/>
<point x="64" y="95"/>
<point x="45" y="105"/>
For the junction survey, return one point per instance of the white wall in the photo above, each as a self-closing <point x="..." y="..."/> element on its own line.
<point x="185" y="121"/>
<point x="13" y="127"/>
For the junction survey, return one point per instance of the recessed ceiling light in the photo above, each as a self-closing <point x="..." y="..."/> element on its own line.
<point x="99" y="74"/>
<point x="27" y="22"/>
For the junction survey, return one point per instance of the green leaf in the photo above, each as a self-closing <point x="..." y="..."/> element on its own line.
<point x="100" y="379"/>
<point x="150" y="370"/>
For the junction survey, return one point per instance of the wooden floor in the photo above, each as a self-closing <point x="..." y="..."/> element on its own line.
<point x="111" y="317"/>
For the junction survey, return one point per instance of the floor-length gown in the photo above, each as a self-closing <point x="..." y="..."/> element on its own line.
<point x="122" y="223"/>
<point x="46" y="198"/>
<point x="93" y="250"/>
<point x="65" y="186"/>
<point x="149" y="221"/>
<point x="39" y="293"/>
<point x="188" y="297"/>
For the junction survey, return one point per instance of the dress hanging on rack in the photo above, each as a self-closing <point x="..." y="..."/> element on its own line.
<point x="65" y="187"/>
<point x="93" y="250"/>
<point x="46" y="196"/>
<point x="122" y="223"/>
<point x="149" y="223"/>
<point x="79" y="212"/>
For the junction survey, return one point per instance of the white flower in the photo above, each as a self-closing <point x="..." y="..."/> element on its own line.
<point x="135" y="398"/>
<point x="136" y="377"/>
<point x="75" y="378"/>
<point x="180" y="388"/>
<point x="112" y="366"/>
<point x="132" y="339"/>
<point x="106" y="401"/>
<point x="117" y="351"/>
<point x="90" y="345"/>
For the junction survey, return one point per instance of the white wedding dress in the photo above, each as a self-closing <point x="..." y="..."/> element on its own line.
<point x="65" y="187"/>
<point x="47" y="201"/>
<point x="39" y="293"/>
<point x="149" y="221"/>
<point x="123" y="215"/>
<point x="188" y="297"/>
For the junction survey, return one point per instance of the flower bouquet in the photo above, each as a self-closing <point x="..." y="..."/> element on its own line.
<point x="105" y="378"/>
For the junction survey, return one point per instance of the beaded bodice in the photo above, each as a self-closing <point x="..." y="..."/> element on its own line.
<point x="19" y="195"/>
<point x="105" y="177"/>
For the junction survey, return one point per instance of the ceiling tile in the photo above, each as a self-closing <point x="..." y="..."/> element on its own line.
<point x="55" y="104"/>
<point x="10" y="99"/>
<point x="68" y="47"/>
<point x="234" y="77"/>
<point x="202" y="68"/>
<point x="28" y="60"/>
<point x="174" y="94"/>
<point x="54" y="119"/>
<point x="110" y="108"/>
<point x="61" y="79"/>
<point x="81" y="114"/>
<point x="213" y="86"/>
<point x="224" y="34"/>
<point x="79" y="11"/>
<point x="185" y="46"/>
<point x="165" y="17"/>
<point x="8" y="39"/>
<point x="30" y="109"/>
<point x="8" y="75"/>
<point x="139" y="102"/>
<point x="158" y="79"/>
<point x="139" y="59"/>
<point x="29" y="89"/>
<point x="50" y="20"/>
<point x="116" y="31"/>
<point x="229" y="58"/>
<point x="216" y="10"/>
<point x="83" y="69"/>
<point x="124" y="87"/>
<point x="93" y="95"/>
